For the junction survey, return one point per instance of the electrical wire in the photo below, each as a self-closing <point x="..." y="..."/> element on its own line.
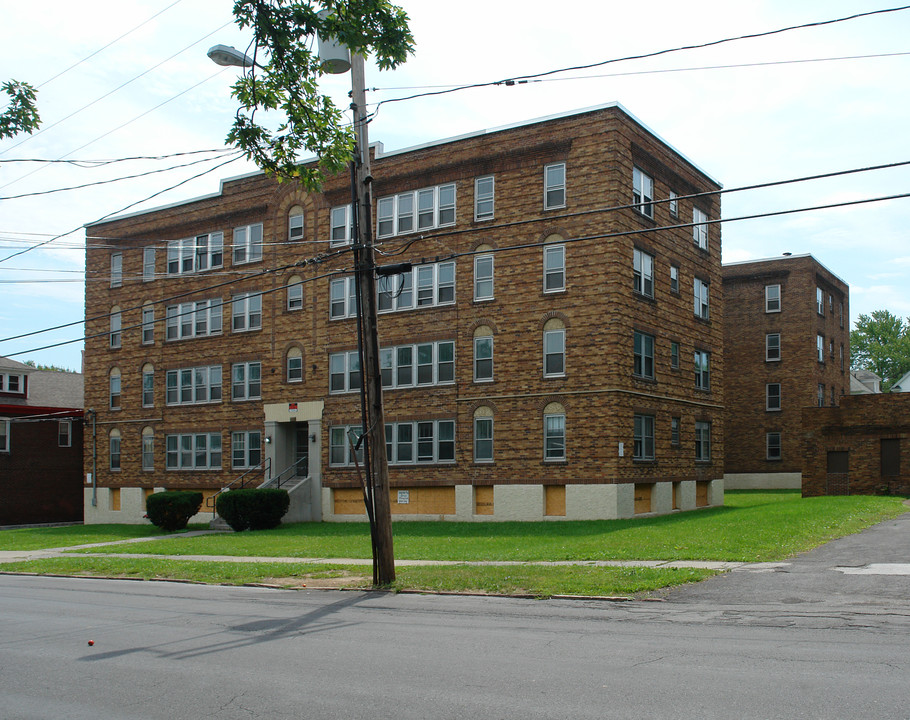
<point x="88" y="164"/>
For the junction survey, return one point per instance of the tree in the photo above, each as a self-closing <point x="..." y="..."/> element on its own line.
<point x="880" y="342"/>
<point x="286" y="79"/>
<point x="21" y="115"/>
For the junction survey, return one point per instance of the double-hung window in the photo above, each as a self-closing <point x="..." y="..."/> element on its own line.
<point x="246" y="381"/>
<point x="819" y="301"/>
<point x="820" y="347"/>
<point x="64" y="433"/>
<point x="342" y="298"/>
<point x="116" y="269"/>
<point x="674" y="279"/>
<point x="483" y="198"/>
<point x="246" y="312"/>
<point x="700" y="228"/>
<point x="701" y="303"/>
<point x="193" y="319"/>
<point x="246" y="449"/>
<point x="201" y="451"/>
<point x="194" y="254"/>
<point x="341" y="226"/>
<point x="295" y="227"/>
<point x="148" y="264"/>
<point x="554" y="186"/>
<point x="642" y="192"/>
<point x="772" y="346"/>
<point x="772" y="298"/>
<point x="295" y="294"/>
<point x="248" y="243"/>
<point x="643" y="354"/>
<point x="554" y="437"/>
<point x="4" y="435"/>
<point x="643" y="438"/>
<point x="643" y="273"/>
<point x="344" y="372"/>
<point x="674" y="204"/>
<point x="190" y="385"/>
<point x="416" y="210"/>
<point x="483" y="277"/>
<point x="772" y="396"/>
<point x="483" y="359"/>
<point x="148" y="325"/>
<point x="148" y="387"/>
<point x="402" y="366"/>
<point x="148" y="449"/>
<point x="116" y="324"/>
<point x="702" y="370"/>
<point x="772" y="446"/>
<point x="702" y="441"/>
<point x="554" y="268"/>
<point x="114" y="389"/>
<point x="554" y="352"/>
<point x="483" y="439"/>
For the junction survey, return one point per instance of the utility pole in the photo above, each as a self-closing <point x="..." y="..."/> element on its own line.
<point x="365" y="265"/>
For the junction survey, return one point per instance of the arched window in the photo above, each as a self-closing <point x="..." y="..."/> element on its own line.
<point x="148" y="448"/>
<point x="483" y="435"/>
<point x="148" y="385"/>
<point x="483" y="354"/>
<point x="554" y="432"/>
<point x="295" y="293"/>
<point x="295" y="365"/>
<point x="295" y="224"/>
<point x="554" y="348"/>
<point x="116" y="324"/>
<point x="115" y="450"/>
<point x="114" y="388"/>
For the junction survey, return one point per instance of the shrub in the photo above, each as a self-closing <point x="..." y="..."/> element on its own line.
<point x="172" y="510"/>
<point x="253" y="509"/>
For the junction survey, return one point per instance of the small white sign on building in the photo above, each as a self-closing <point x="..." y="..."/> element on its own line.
<point x="404" y="497"/>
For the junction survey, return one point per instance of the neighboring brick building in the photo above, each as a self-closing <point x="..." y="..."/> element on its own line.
<point x="858" y="448"/>
<point x="787" y="335"/>
<point x="40" y="445"/>
<point x="537" y="359"/>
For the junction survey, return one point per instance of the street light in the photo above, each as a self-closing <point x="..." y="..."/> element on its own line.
<point x="227" y="55"/>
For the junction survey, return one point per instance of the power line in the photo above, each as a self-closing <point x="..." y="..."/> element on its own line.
<point x="99" y="163"/>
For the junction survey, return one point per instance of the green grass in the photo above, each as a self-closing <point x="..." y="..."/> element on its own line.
<point x="67" y="536"/>
<point x="753" y="526"/>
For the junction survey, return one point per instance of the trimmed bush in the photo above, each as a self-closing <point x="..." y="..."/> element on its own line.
<point x="172" y="510"/>
<point x="253" y="509"/>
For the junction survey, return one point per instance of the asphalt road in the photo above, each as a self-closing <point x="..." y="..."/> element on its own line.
<point x="827" y="636"/>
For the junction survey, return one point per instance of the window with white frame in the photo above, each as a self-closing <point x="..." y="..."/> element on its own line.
<point x="4" y="435"/>
<point x="643" y="273"/>
<point x="483" y="435"/>
<point x="772" y="298"/>
<point x="116" y="269"/>
<point x="554" y="435"/>
<point x="12" y="383"/>
<point x="114" y="389"/>
<point x="772" y="446"/>
<point x="772" y="347"/>
<point x="434" y="207"/>
<point x="701" y="301"/>
<point x="819" y="301"/>
<point x="193" y="451"/>
<point x="116" y="322"/>
<point x="246" y="449"/>
<point x="191" y="385"/>
<point x="483" y="355"/>
<point x="148" y="264"/>
<point x="643" y="438"/>
<point x="246" y="312"/>
<point x="643" y="192"/>
<point x="402" y="366"/>
<point x="554" y="186"/>
<point x="674" y="279"/>
<point x="674" y="355"/>
<point x="700" y="228"/>
<point x="295" y="293"/>
<point x="246" y="381"/>
<point x="483" y="277"/>
<point x="424" y="286"/>
<point x="195" y="254"/>
<point x="484" y="188"/>
<point x="554" y="349"/>
<point x="148" y="385"/>
<point x="64" y="433"/>
<point x="674" y="204"/>
<point x="702" y="370"/>
<point x="295" y="365"/>
<point x="820" y="348"/>
<point x="148" y="448"/>
<point x="554" y="268"/>
<point x="702" y="441"/>
<point x="295" y="225"/>
<point x="193" y="319"/>
<point x="343" y="441"/>
<point x="342" y="297"/>
<point x="248" y="243"/>
<point x="643" y="355"/>
<point x="344" y="371"/>
<point x="772" y="396"/>
<point x="341" y="226"/>
<point x="114" y="450"/>
<point x="148" y="324"/>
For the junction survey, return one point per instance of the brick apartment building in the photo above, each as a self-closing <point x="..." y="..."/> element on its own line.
<point x="556" y="350"/>
<point x="787" y="334"/>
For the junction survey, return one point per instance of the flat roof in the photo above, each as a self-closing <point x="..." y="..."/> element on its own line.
<point x="784" y="258"/>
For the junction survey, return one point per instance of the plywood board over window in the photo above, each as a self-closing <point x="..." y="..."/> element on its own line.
<point x="555" y="500"/>
<point x="643" y="494"/>
<point x="483" y="500"/>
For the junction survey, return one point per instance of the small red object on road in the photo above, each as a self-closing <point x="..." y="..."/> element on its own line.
<point x="91" y="642"/>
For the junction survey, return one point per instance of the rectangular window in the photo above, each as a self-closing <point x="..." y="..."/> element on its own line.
<point x="116" y="324"/>
<point x="4" y="436"/>
<point x="200" y="451"/>
<point x="295" y="227"/>
<point x="554" y="186"/>
<point x="342" y="298"/>
<point x="295" y="368"/>
<point x="643" y="438"/>
<point x="674" y="204"/>
<point x="64" y="433"/>
<point x="435" y="207"/>
<point x="246" y="449"/>
<point x="435" y="285"/>
<point x="772" y="298"/>
<point x="772" y="346"/>
<point x="554" y="268"/>
<point x="700" y="228"/>
<point x="842" y="358"/>
<point x="821" y="395"/>
<point x="195" y="254"/>
<point x="246" y="381"/>
<point x="483" y="439"/>
<point x="643" y="273"/>
<point x="193" y="319"/>
<point x="342" y="226"/>
<point x="674" y="279"/>
<point x="554" y="353"/>
<point x="295" y="296"/>
<point x="12" y="383"/>
<point x="148" y="452"/>
<point x="483" y="198"/>
<point x="772" y="446"/>
<point x="115" y="453"/>
<point x="674" y="430"/>
<point x="643" y="350"/>
<point x="702" y="370"/>
<point x="820" y="348"/>
<point x="246" y="312"/>
<point x="483" y="359"/>
<point x="642" y="192"/>
<point x="701" y="301"/>
<point x="772" y="396"/>
<point x="148" y="389"/>
<point x="148" y="325"/>
<point x="674" y="355"/>
<point x="190" y="385"/>
<point x="841" y="313"/>
<point x="400" y="366"/>
<point x="425" y="442"/>
<point x="702" y="441"/>
<point x="819" y="301"/>
<point x="554" y="437"/>
<point x="483" y="277"/>
<point x="248" y="244"/>
<point x="148" y="264"/>
<point x="116" y="269"/>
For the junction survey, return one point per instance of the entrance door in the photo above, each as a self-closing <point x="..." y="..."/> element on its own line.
<point x="302" y="449"/>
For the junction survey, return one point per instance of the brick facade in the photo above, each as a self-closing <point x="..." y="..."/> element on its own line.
<point x="596" y="311"/>
<point x="750" y="317"/>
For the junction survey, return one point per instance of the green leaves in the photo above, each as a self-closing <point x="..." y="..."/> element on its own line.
<point x="21" y="115"/>
<point x="880" y="342"/>
<point x="285" y="80"/>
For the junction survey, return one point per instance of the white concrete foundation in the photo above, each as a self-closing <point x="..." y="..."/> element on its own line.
<point x="763" y="481"/>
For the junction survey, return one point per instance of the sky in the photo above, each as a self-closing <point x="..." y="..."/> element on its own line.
<point x="131" y="79"/>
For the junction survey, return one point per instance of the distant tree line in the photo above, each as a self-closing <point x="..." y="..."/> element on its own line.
<point x="880" y="342"/>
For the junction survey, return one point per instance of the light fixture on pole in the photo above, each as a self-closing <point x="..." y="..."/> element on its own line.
<point x="228" y="56"/>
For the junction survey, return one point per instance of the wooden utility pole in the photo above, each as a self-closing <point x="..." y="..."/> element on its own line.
<point x="365" y="266"/>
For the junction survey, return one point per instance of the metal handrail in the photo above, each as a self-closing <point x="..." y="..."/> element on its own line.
<point x="290" y="471"/>
<point x="265" y="467"/>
